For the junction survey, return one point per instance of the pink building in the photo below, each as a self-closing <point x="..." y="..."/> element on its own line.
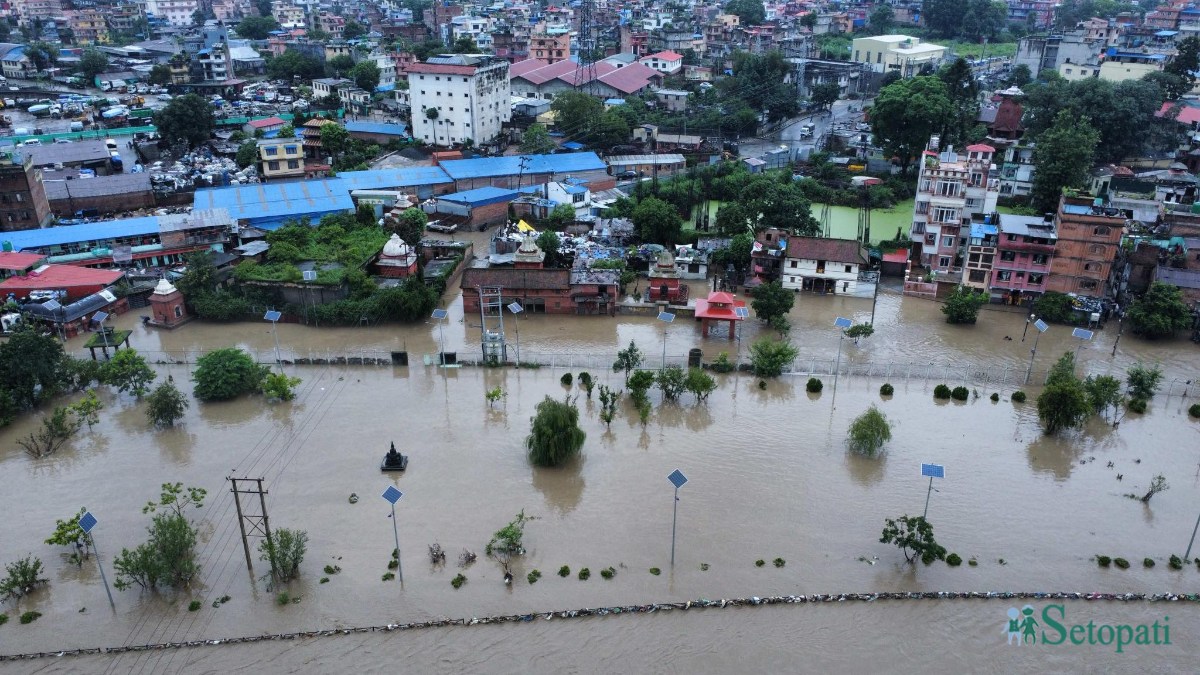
<point x="1022" y="265"/>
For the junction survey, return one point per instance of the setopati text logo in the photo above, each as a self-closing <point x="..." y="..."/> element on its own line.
<point x="1025" y="627"/>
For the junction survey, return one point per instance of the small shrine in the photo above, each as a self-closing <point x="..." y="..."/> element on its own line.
<point x="664" y="282"/>
<point x="716" y="308"/>
<point x="394" y="461"/>
<point x="529" y="256"/>
<point x="398" y="260"/>
<point x="167" y="306"/>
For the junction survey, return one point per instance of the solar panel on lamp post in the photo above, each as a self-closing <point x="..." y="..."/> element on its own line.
<point x="1084" y="335"/>
<point x="87" y="523"/>
<point x="392" y="495"/>
<point x="516" y="309"/>
<point x="99" y="318"/>
<point x="933" y="471"/>
<point x="1041" y="327"/>
<point x="841" y="323"/>
<point x="666" y="318"/>
<point x="440" y="315"/>
<point x="743" y="314"/>
<point x="274" y="316"/>
<point x="678" y="480"/>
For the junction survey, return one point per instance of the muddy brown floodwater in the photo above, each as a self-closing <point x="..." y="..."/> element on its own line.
<point x="769" y="477"/>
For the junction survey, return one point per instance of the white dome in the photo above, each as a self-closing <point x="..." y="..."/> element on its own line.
<point x="164" y="287"/>
<point x="395" y="247"/>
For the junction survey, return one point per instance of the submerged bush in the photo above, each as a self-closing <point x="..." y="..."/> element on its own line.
<point x="814" y="386"/>
<point x="1121" y="562"/>
<point x="1103" y="560"/>
<point x="941" y="392"/>
<point x="1137" y="405"/>
<point x="886" y="390"/>
<point x="954" y="560"/>
<point x="1194" y="411"/>
<point x="960" y="393"/>
<point x="994" y="397"/>
<point x="1018" y="397"/>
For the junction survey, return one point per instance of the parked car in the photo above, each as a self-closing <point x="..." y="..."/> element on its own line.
<point x="627" y="175"/>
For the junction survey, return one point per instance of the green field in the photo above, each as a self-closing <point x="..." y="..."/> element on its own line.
<point x="975" y="50"/>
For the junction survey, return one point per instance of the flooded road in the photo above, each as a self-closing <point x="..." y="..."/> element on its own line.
<point x="769" y="478"/>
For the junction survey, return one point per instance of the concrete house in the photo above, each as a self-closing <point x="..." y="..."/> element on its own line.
<point x="822" y="265"/>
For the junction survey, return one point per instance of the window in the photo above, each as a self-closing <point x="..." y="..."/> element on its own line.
<point x="1096" y="248"/>
<point x="922" y="207"/>
<point x="291" y="149"/>
<point x="1040" y="258"/>
<point x="849" y="269"/>
<point x="947" y="242"/>
<point x="178" y="311"/>
<point x="976" y="276"/>
<point x="942" y="215"/>
<point x="1087" y="284"/>
<point x="273" y="166"/>
<point x="293" y="164"/>
<point x="879" y="57"/>
<point x="1100" y="231"/>
<point x="1007" y="256"/>
<point x="918" y="228"/>
<point x="1004" y="275"/>
<point x="947" y="188"/>
<point x="792" y="263"/>
<point x="976" y="179"/>
<point x="931" y="240"/>
<point x="944" y="261"/>
<point x="19" y="197"/>
<point x="974" y="257"/>
<point x="271" y="151"/>
<point x="1036" y="277"/>
<point x="1091" y="267"/>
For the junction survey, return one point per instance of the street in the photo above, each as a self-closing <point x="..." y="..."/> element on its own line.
<point x="789" y="134"/>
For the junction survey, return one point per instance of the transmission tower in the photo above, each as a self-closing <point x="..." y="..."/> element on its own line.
<point x="585" y="70"/>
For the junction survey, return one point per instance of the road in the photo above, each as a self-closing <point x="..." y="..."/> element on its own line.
<point x="789" y="134"/>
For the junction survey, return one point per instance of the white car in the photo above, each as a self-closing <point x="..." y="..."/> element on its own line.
<point x="164" y="97"/>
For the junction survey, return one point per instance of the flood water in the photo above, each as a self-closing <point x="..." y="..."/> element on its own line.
<point x="769" y="477"/>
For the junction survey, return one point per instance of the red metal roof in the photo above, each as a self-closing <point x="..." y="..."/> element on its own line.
<point x="19" y="261"/>
<point x="980" y="147"/>
<point x="439" y="69"/>
<point x="631" y="78"/>
<point x="61" y="276"/>
<point x="1186" y="115"/>
<point x="706" y="310"/>
<point x="664" y="56"/>
<point x="268" y="122"/>
<point x="520" y="68"/>
<point x="898" y="256"/>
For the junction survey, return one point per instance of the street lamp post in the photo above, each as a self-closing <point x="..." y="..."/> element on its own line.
<point x="1041" y="328"/>
<point x="440" y="315"/>
<point x="841" y="323"/>
<point x="1028" y="320"/>
<point x="666" y="318"/>
<point x="1084" y="335"/>
<point x="516" y="309"/>
<point x="273" y="316"/>
<point x="1120" y="329"/>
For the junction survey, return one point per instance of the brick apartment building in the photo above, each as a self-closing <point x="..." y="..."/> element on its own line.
<point x="23" y="203"/>
<point x="1089" y="238"/>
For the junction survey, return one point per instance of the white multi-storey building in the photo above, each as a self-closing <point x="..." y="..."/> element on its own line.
<point x="952" y="189"/>
<point x="459" y="97"/>
<point x="174" y="12"/>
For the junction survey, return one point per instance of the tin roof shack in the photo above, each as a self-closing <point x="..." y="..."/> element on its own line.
<point x="507" y="172"/>
<point x="74" y="282"/>
<point x="480" y="207"/>
<point x="377" y="132"/>
<point x="92" y="155"/>
<point x="71" y="318"/>
<point x="68" y="194"/>
<point x="1089" y="237"/>
<point x="692" y="262"/>
<point x="19" y="264"/>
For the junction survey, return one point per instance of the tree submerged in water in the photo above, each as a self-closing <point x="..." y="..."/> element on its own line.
<point x="913" y="535"/>
<point x="555" y="436"/>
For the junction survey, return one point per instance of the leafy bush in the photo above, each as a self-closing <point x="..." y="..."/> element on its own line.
<point x="128" y="372"/>
<point x="1121" y="562"/>
<point x="699" y="384"/>
<point x="1018" y="397"/>
<point x="954" y="560"/>
<point x="166" y="404"/>
<point x="941" y="392"/>
<point x="1148" y="562"/>
<point x="608" y="573"/>
<point x="960" y="393"/>
<point x="30" y="617"/>
<point x="1103" y="560"/>
<point x="533" y="576"/>
<point x="724" y="365"/>
<point x="779" y="562"/>
<point x="962" y="306"/>
<point x="1194" y="410"/>
<point x="458" y="581"/>
<point x="388" y="576"/>
<point x="564" y="571"/>
<point x="994" y="397"/>
<point x="279" y="386"/>
<point x="584" y="574"/>
<point x="655" y="571"/>
<point x="886" y="389"/>
<point x="227" y="373"/>
<point x="1143" y="380"/>
<point x="4" y="618"/>
<point x="194" y="605"/>
<point x="554" y="435"/>
<point x="769" y="357"/>
<point x="760" y="562"/>
<point x="1175" y="562"/>
<point x="1054" y="307"/>
<point x="671" y="382"/>
<point x="814" y="386"/>
<point x="22" y="576"/>
<point x="284" y="551"/>
<point x="869" y="432"/>
<point x="1137" y="405"/>
<point x="566" y="379"/>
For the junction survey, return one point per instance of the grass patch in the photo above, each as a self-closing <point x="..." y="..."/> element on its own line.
<point x="458" y="581"/>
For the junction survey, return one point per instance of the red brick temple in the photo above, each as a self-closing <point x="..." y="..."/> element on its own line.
<point x="717" y="307"/>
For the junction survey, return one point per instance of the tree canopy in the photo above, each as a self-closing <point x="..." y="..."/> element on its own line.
<point x="292" y="63"/>
<point x="554" y="435"/>
<point x="256" y="27"/>
<point x="188" y="119"/>
<point x="226" y="373"/>
<point x="1063" y="155"/>
<point x="971" y="19"/>
<point x="353" y="29"/>
<point x="759" y="81"/>
<point x="537" y="141"/>
<point x="906" y="113"/>
<point x="1064" y="403"/>
<point x="749" y="12"/>
<point x="657" y="221"/>
<point x="1159" y="313"/>
<point x="91" y="63"/>
<point x="366" y="75"/>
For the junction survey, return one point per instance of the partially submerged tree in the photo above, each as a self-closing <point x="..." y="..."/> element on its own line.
<point x="671" y="382"/>
<point x="699" y="384"/>
<point x="628" y="360"/>
<point x="166" y="404"/>
<point x="227" y="373"/>
<point x="22" y="577"/>
<point x="69" y="533"/>
<point x="608" y="404"/>
<point x="57" y="428"/>
<point x="769" y="357"/>
<point x="555" y="436"/>
<point x="1159" y="484"/>
<point x="869" y="432"/>
<point x="128" y="372"/>
<point x="1103" y="394"/>
<point x="913" y="535"/>
<point x="168" y="557"/>
<point x="772" y="300"/>
<point x="962" y="306"/>
<point x="279" y="386"/>
<point x="284" y="550"/>
<point x="1143" y="380"/>
<point x="1064" y="403"/>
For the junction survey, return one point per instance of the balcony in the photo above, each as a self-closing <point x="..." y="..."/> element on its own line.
<point x="1026" y="247"/>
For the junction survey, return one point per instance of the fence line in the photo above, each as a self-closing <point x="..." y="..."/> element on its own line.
<point x="976" y="374"/>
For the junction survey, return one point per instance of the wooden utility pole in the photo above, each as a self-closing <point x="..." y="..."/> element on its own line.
<point x="256" y="525"/>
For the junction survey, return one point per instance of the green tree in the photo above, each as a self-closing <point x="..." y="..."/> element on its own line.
<point x="732" y="219"/>
<point x="31" y="367"/>
<point x="944" y="17"/>
<point x="1063" y="157"/>
<point x="41" y="55"/>
<point x="1186" y="61"/>
<point x="279" y="386"/>
<point x="335" y="139"/>
<point x="464" y="45"/>
<point x="577" y="114"/>
<point x="549" y="242"/>
<point x="699" y="384"/>
<point x="907" y="113"/>
<point x="964" y="95"/>
<point x="129" y="372"/>
<point x="769" y="357"/>
<point x="292" y="63"/>
<point x="284" y="550"/>
<point x="869" y="432"/>
<point x="187" y="119"/>
<point x="1052" y="306"/>
<point x="22" y="577"/>
<point x="353" y="29"/>
<point x="1103" y="394"/>
<point x="87" y="409"/>
<point x="317" y="35"/>
<point x="1064" y="403"/>
<point x="824" y="95"/>
<point x="1143" y="380"/>
<point x="166" y="404"/>
<point x="913" y="535"/>
<point x="1019" y="76"/>
<point x="366" y="75"/>
<point x="628" y="360"/>
<point x="1173" y="86"/>
<point x="256" y="27"/>
<point x="341" y="64"/>
<point x="57" y="428"/>
<point x="962" y="306"/>
<point x="69" y="533"/>
<point x="772" y="300"/>
<point x="749" y="12"/>
<point x="287" y="131"/>
<point x="247" y="154"/>
<point x="881" y="19"/>
<point x="560" y="217"/>
<point x="657" y="221"/>
<point x="410" y="225"/>
<point x="91" y="63"/>
<point x="554" y="436"/>
<point x="168" y="557"/>
<point x="537" y="141"/>
<point x="227" y="373"/>
<point x="1159" y="313"/>
<point x="671" y="382"/>
<point x="160" y="74"/>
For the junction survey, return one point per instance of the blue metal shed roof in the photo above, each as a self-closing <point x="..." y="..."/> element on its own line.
<point x="268" y="205"/>
<point x="378" y="179"/>
<point x="980" y="230"/>
<point x="481" y="196"/>
<point x="377" y="128"/>
<point x="484" y="167"/>
<point x="69" y="234"/>
<point x="573" y="145"/>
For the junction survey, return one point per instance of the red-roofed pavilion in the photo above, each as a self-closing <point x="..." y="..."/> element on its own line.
<point x="718" y="306"/>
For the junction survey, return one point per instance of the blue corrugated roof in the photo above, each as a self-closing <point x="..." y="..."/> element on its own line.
<point x="268" y="205"/>
<point x="377" y="179"/>
<point x="69" y="234"/>
<point x="573" y="145"/>
<point x="484" y="167"/>
<point x="377" y="128"/>
<point x="481" y="196"/>
<point x="576" y="189"/>
<point x="980" y="230"/>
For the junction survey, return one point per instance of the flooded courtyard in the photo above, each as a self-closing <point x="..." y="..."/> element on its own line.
<point x="769" y="477"/>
